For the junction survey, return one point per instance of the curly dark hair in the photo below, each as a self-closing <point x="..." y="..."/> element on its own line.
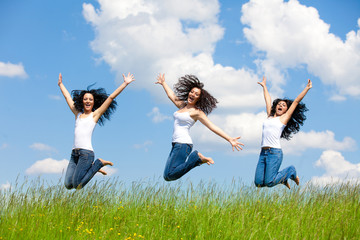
<point x="297" y="118"/>
<point x="100" y="96"/>
<point x="182" y="88"/>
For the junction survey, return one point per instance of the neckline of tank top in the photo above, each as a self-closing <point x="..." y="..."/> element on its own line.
<point x="85" y="117"/>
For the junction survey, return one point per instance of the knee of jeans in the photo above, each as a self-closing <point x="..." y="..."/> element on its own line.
<point x="269" y="184"/>
<point x="68" y="185"/>
<point x="258" y="183"/>
<point x="168" y="177"/>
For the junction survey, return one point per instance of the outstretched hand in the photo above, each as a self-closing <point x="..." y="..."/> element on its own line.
<point x="309" y="84"/>
<point x="60" y="79"/>
<point x="129" y="78"/>
<point x="235" y="144"/>
<point x="263" y="83"/>
<point x="160" y="79"/>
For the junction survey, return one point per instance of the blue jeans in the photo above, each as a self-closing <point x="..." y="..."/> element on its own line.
<point x="180" y="161"/>
<point x="81" y="168"/>
<point x="267" y="171"/>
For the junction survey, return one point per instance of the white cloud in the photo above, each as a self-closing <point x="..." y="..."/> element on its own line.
<point x="175" y="37"/>
<point x="293" y="35"/>
<point x="143" y="146"/>
<point x="42" y="147"/>
<point x="4" y="146"/>
<point x="5" y="186"/>
<point x="158" y="117"/>
<point x="246" y="125"/>
<point x="109" y="170"/>
<point x="249" y="127"/>
<point x="55" y="97"/>
<point x="48" y="166"/>
<point x="12" y="70"/>
<point x="337" y="169"/>
<point x="317" y="140"/>
<point x="148" y="37"/>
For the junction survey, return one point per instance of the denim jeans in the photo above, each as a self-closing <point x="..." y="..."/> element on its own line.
<point x="267" y="171"/>
<point x="181" y="160"/>
<point x="81" y="168"/>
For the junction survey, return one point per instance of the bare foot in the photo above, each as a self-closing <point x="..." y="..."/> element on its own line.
<point x="297" y="180"/>
<point x="206" y="160"/>
<point x="102" y="172"/>
<point x="287" y="185"/>
<point x="105" y="162"/>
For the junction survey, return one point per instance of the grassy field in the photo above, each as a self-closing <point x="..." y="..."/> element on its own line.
<point x="157" y="210"/>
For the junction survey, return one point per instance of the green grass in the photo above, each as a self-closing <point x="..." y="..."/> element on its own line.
<point x="158" y="210"/>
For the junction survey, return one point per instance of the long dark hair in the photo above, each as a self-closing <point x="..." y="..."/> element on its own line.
<point x="182" y="88"/>
<point x="297" y="118"/>
<point x="100" y="96"/>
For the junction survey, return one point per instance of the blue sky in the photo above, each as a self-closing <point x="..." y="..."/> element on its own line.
<point x="228" y="44"/>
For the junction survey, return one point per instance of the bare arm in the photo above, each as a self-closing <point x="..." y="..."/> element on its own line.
<point x="169" y="92"/>
<point x="67" y="95"/>
<point x="201" y="116"/>
<point x="286" y="116"/>
<point x="100" y="111"/>
<point x="266" y="96"/>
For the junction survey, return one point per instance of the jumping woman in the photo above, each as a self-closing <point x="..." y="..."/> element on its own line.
<point x="89" y="107"/>
<point x="284" y="118"/>
<point x="194" y="103"/>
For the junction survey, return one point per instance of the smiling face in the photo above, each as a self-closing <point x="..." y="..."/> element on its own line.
<point x="281" y="108"/>
<point x="88" y="101"/>
<point x="194" y="96"/>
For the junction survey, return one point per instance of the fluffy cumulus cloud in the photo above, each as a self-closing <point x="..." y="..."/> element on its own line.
<point x="179" y="37"/>
<point x="325" y="140"/>
<point x="144" y="146"/>
<point x="48" y="166"/>
<point x="157" y="116"/>
<point x="246" y="125"/>
<point x="175" y="37"/>
<point x="42" y="147"/>
<point x="337" y="169"/>
<point x="293" y="35"/>
<point x="5" y="186"/>
<point x="12" y="70"/>
<point x="249" y="127"/>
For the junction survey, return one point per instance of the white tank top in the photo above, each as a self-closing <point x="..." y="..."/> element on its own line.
<point x="272" y="129"/>
<point x="182" y="124"/>
<point x="84" y="128"/>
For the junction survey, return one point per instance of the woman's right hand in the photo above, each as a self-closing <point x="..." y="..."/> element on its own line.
<point x="160" y="79"/>
<point x="263" y="83"/>
<point x="60" y="79"/>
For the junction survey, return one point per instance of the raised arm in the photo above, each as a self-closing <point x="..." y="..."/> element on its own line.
<point x="67" y="95"/>
<point x="100" y="111"/>
<point x="286" y="116"/>
<point x="201" y="116"/>
<point x="266" y="96"/>
<point x="169" y="92"/>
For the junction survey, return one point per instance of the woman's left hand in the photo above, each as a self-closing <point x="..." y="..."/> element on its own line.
<point x="235" y="144"/>
<point x="129" y="78"/>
